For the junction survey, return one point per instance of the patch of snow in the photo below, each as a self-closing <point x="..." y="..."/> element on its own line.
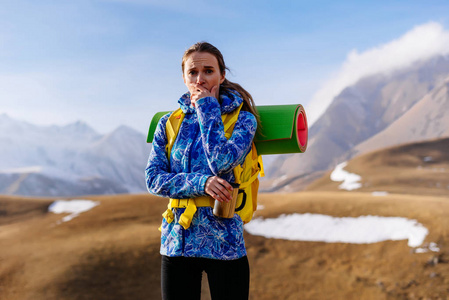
<point x="434" y="247"/>
<point x="279" y="180"/>
<point x="427" y="158"/>
<point x="323" y="228"/>
<point x="350" y="180"/>
<point x="73" y="207"/>
<point x="24" y="170"/>
<point x="260" y="207"/>
<point x="421" y="250"/>
<point x="431" y="247"/>
<point x="379" y="193"/>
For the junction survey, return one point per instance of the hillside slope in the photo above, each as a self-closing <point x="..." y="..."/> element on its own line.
<point x="112" y="251"/>
<point x="416" y="168"/>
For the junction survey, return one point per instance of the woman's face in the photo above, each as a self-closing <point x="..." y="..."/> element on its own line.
<point x="201" y="68"/>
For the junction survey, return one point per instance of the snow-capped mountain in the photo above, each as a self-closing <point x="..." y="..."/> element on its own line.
<point x="69" y="160"/>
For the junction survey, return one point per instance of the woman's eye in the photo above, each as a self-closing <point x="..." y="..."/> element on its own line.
<point x="192" y="72"/>
<point x="209" y="71"/>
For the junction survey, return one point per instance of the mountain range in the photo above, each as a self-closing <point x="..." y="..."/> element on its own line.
<point x="406" y="105"/>
<point x="70" y="160"/>
<point x="386" y="109"/>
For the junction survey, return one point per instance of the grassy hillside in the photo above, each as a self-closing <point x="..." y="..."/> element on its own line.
<point x="112" y="251"/>
<point x="417" y="168"/>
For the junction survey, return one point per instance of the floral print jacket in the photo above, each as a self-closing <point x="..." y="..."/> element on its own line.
<point x="201" y="150"/>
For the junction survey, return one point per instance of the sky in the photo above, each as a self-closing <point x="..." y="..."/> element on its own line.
<point x="118" y="62"/>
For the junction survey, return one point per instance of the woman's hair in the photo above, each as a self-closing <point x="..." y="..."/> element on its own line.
<point x="248" y="102"/>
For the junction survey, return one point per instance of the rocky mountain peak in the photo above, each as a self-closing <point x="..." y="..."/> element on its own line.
<point x="365" y="109"/>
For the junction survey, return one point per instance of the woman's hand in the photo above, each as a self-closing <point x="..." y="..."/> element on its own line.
<point x="219" y="189"/>
<point x="198" y="91"/>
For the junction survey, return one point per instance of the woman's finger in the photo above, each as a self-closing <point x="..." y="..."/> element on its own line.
<point x="216" y="188"/>
<point x="214" y="90"/>
<point x="225" y="184"/>
<point x="198" y="91"/>
<point x="222" y="193"/>
<point x="218" y="192"/>
<point x="217" y="195"/>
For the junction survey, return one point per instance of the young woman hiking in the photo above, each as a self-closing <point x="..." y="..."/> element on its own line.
<point x="200" y="166"/>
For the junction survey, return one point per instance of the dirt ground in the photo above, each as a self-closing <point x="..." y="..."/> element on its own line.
<point x="112" y="251"/>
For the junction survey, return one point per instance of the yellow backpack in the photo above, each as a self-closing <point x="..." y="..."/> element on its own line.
<point x="245" y="174"/>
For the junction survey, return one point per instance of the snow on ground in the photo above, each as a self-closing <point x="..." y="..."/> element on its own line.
<point x="379" y="193"/>
<point x="24" y="170"/>
<point x="279" y="180"/>
<point x="350" y="180"/>
<point x="429" y="247"/>
<point x="73" y="207"/>
<point x="323" y="228"/>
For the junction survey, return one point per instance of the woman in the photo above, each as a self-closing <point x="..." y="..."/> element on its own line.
<point x="201" y="164"/>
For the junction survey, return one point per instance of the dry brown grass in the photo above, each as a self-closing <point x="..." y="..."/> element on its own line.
<point x="402" y="170"/>
<point x="112" y="251"/>
<point x="386" y="270"/>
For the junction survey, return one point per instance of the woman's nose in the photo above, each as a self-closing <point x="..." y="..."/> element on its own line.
<point x="200" y="78"/>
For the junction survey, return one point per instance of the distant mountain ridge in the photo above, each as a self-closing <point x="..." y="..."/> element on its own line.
<point x="427" y="119"/>
<point x="364" y="110"/>
<point x="70" y="160"/>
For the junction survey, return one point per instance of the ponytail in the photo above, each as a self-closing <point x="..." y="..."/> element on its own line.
<point x="248" y="102"/>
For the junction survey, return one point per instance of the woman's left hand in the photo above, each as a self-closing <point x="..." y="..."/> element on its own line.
<point x="198" y="91"/>
<point x="219" y="189"/>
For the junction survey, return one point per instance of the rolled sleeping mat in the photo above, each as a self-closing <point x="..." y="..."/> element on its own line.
<point x="283" y="129"/>
<point x="154" y="123"/>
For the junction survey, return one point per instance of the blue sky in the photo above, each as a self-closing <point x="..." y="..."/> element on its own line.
<point x="114" y="62"/>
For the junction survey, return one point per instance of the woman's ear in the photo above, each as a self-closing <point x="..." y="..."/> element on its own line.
<point x="223" y="77"/>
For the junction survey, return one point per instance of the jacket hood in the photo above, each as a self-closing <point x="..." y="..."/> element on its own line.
<point x="230" y="100"/>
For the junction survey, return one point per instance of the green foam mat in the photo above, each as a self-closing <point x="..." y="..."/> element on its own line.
<point x="283" y="129"/>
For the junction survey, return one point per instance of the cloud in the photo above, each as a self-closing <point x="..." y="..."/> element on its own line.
<point x="422" y="42"/>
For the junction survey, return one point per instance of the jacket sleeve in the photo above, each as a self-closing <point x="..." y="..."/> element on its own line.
<point x="223" y="154"/>
<point x="160" y="181"/>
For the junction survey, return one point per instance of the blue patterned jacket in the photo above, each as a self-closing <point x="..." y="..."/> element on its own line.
<point x="201" y="150"/>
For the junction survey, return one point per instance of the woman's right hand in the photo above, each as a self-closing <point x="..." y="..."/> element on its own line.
<point x="219" y="189"/>
<point x="198" y="91"/>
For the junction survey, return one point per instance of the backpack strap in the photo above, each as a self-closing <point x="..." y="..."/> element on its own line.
<point x="190" y="206"/>
<point x="260" y="162"/>
<point x="229" y="121"/>
<point x="172" y="129"/>
<point x="256" y="161"/>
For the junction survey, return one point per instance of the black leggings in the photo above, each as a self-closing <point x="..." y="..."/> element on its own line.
<point x="181" y="278"/>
